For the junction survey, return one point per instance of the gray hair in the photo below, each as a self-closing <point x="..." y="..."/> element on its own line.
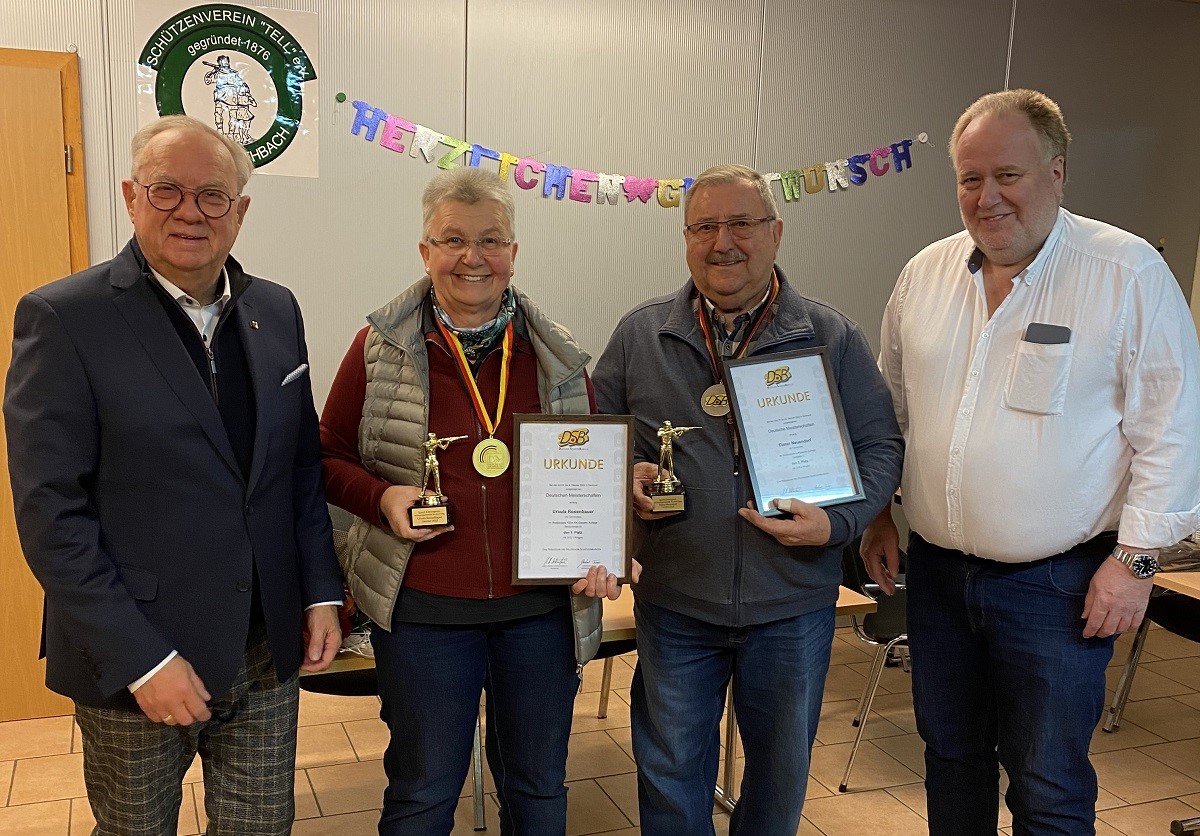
<point x="242" y="165"/>
<point x="470" y="186"/>
<point x="1043" y="112"/>
<point x="720" y="175"/>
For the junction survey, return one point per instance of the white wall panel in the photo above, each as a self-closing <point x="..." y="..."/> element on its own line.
<point x="844" y="77"/>
<point x="346" y="242"/>
<point x="658" y="88"/>
<point x="1126" y="74"/>
<point x="651" y="89"/>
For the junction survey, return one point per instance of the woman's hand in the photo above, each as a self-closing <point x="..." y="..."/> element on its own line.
<point x="598" y="583"/>
<point x="394" y="507"/>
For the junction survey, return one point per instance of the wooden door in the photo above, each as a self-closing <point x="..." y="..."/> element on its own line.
<point x="43" y="236"/>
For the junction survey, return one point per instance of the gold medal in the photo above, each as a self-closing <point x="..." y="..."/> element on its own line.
<point x="715" y="401"/>
<point x="491" y="457"/>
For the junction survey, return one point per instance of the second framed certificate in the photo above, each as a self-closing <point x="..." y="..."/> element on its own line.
<point x="572" y="506"/>
<point x="793" y="433"/>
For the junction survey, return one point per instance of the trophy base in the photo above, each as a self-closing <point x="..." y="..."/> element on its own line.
<point x="667" y="501"/>
<point x="428" y="516"/>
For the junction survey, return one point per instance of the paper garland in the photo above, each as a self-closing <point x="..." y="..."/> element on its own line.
<point x="586" y="186"/>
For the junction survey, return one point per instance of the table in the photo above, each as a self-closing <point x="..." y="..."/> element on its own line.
<point x="1185" y="583"/>
<point x="618" y="625"/>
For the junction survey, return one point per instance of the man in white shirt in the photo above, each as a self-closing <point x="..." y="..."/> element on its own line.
<point x="1046" y="376"/>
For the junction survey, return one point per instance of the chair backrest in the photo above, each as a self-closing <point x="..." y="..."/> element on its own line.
<point x="889" y="620"/>
<point x="1176" y="612"/>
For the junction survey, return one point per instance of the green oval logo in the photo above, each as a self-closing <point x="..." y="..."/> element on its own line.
<point x="213" y="34"/>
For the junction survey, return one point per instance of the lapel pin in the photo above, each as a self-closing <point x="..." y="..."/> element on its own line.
<point x="254" y="324"/>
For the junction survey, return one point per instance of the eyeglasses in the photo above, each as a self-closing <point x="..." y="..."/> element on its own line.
<point x="212" y="203"/>
<point x="457" y="245"/>
<point x="740" y="228"/>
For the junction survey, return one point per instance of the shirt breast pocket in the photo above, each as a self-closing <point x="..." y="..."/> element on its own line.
<point x="1038" y="382"/>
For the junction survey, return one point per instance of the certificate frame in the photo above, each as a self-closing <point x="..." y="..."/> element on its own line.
<point x="559" y="526"/>
<point x="766" y="382"/>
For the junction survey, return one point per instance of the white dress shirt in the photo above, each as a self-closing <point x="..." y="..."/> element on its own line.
<point x="205" y="317"/>
<point x="1018" y="450"/>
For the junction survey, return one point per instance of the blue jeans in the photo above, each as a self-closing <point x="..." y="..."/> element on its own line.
<point x="430" y="680"/>
<point x="678" y="698"/>
<point x="1003" y="675"/>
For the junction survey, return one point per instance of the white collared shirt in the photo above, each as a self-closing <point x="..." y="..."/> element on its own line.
<point x="1016" y="450"/>
<point x="205" y="317"/>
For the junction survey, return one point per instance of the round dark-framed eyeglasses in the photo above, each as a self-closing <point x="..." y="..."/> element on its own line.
<point x="212" y="203"/>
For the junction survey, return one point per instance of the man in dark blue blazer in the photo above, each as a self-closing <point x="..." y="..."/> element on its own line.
<point x="165" y="465"/>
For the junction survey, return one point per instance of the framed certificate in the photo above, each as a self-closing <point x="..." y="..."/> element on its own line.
<point x="793" y="433"/>
<point x="572" y="505"/>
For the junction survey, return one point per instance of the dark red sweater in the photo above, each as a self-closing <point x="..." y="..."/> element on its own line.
<point x="474" y="560"/>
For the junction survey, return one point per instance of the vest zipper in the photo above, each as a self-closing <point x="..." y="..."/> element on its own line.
<point x="737" y="544"/>
<point x="212" y="374"/>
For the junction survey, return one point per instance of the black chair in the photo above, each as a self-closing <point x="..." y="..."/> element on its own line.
<point x="886" y="629"/>
<point x="1180" y="614"/>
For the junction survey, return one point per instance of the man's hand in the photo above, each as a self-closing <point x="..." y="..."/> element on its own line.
<point x="880" y="550"/>
<point x="322" y="637"/>
<point x="1116" y="600"/>
<point x="394" y="506"/>
<point x="598" y="583"/>
<point x="809" y="525"/>
<point x="174" y="695"/>
<point x="635" y="574"/>
<point x="644" y="473"/>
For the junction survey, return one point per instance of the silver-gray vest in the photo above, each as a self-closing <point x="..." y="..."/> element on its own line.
<point x="395" y="420"/>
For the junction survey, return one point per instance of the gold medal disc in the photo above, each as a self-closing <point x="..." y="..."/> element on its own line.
<point x="491" y="457"/>
<point x="715" y="401"/>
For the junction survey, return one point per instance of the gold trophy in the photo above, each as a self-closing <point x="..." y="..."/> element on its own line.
<point x="432" y="507"/>
<point x="666" y="491"/>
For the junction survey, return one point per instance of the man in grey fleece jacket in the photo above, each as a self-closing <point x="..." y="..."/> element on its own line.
<point x="724" y="591"/>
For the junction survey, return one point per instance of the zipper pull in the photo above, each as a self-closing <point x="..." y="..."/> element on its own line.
<point x="212" y="373"/>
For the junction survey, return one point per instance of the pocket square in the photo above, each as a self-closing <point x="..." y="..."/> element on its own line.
<point x="295" y="374"/>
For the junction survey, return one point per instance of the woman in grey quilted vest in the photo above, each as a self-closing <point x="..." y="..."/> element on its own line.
<point x="456" y="355"/>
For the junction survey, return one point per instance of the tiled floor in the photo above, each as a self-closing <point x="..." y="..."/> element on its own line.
<point x="1149" y="770"/>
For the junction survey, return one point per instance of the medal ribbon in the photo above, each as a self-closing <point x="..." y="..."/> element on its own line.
<point x="751" y="332"/>
<point x="464" y="371"/>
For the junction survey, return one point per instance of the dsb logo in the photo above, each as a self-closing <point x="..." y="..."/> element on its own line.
<point x="573" y="438"/>
<point x="720" y="399"/>
<point x="776" y="376"/>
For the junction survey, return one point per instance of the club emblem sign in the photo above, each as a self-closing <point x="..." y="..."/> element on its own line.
<point x="215" y="61"/>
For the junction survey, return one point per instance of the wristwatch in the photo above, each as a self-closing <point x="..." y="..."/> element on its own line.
<point x="1141" y="564"/>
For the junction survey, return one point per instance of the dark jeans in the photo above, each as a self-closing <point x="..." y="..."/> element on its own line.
<point x="1003" y="675"/>
<point x="678" y="699"/>
<point x="430" y="680"/>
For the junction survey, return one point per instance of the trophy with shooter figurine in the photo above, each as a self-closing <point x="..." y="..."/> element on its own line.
<point x="432" y="507"/>
<point x="666" y="491"/>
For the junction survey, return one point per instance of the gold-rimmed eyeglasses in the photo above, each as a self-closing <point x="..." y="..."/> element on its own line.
<point x="212" y="203"/>
<point x="738" y="227"/>
<point x="457" y="245"/>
